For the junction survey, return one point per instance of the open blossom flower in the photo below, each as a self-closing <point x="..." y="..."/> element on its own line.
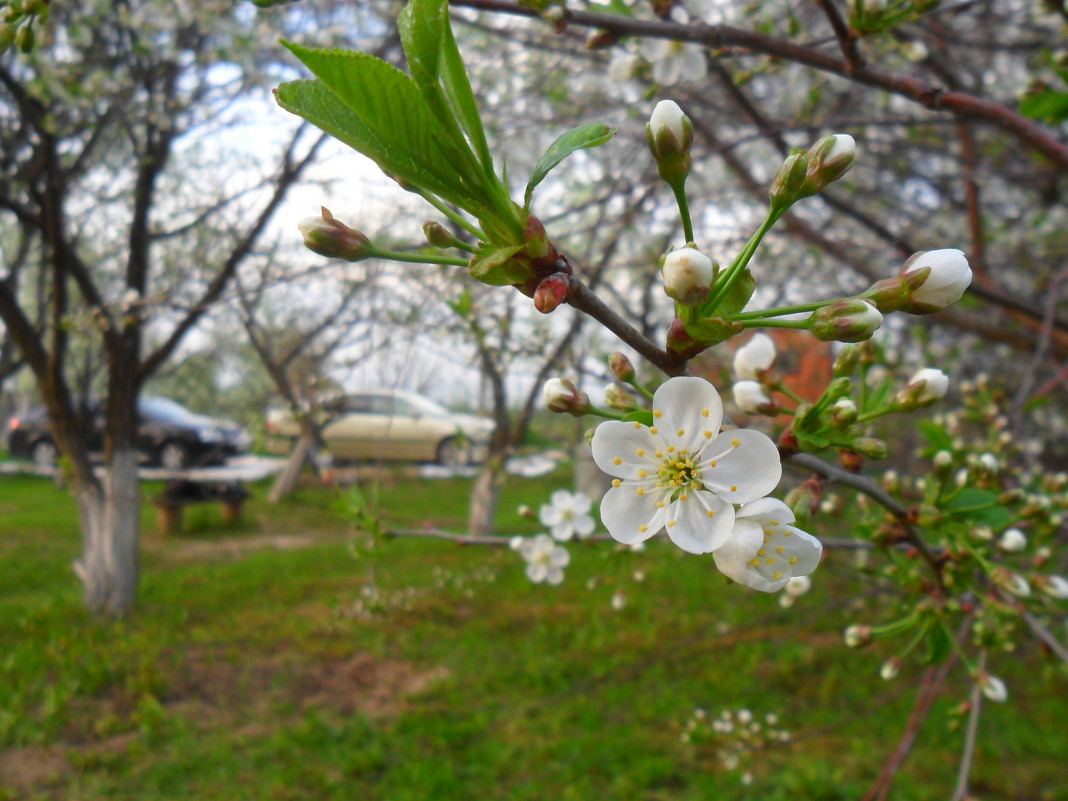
<point x="674" y="61"/>
<point x="545" y="559"/>
<point x="681" y="473"/>
<point x="766" y="551"/>
<point x="754" y="356"/>
<point x="567" y="514"/>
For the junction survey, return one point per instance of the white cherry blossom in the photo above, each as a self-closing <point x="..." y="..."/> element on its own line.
<point x="766" y="551"/>
<point x="754" y="356"/>
<point x="545" y="559"/>
<point x="681" y="473"/>
<point x="567" y="514"/>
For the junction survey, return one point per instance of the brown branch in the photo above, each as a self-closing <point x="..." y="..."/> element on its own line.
<point x="847" y="41"/>
<point x="931" y="684"/>
<point x="582" y="298"/>
<point x="975" y="702"/>
<point x="927" y="95"/>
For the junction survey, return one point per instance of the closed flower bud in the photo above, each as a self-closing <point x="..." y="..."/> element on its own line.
<point x="943" y="460"/>
<point x="621" y="367"/>
<point x="618" y="398"/>
<point x="1013" y="582"/>
<point x="924" y="388"/>
<point x="870" y="447"/>
<point x="670" y="135"/>
<point x="786" y="186"/>
<point x="828" y="160"/>
<point x="891" y="667"/>
<point x="843" y="413"/>
<point x="332" y="238"/>
<point x="1053" y="586"/>
<point x="992" y="687"/>
<point x="439" y="236"/>
<point x="846" y="361"/>
<point x="562" y="395"/>
<point x="749" y="397"/>
<point x="929" y="281"/>
<point x="754" y="357"/>
<point x="852" y="320"/>
<point x="551" y="292"/>
<point x="687" y="275"/>
<point x="857" y="635"/>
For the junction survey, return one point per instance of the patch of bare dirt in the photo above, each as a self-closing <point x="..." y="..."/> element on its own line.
<point x="196" y="550"/>
<point x="376" y="688"/>
<point x="26" y="769"/>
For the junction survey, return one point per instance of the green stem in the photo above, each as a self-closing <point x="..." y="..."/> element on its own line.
<point x="414" y="258"/>
<point x="723" y="285"/>
<point x="453" y="215"/>
<point x="802" y="324"/>
<point x="779" y="386"/>
<point x="611" y="414"/>
<point x="679" y="189"/>
<point x="778" y="311"/>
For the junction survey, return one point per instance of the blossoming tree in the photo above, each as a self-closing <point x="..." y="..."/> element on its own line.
<point x="679" y="466"/>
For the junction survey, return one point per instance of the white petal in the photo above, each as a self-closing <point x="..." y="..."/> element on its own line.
<point x="690" y="405"/>
<point x="733" y="556"/>
<point x="743" y="472"/>
<point x="549" y="515"/>
<point x="583" y="525"/>
<point x="767" y="509"/>
<point x="581" y="503"/>
<point x="554" y="576"/>
<point x="562" y="531"/>
<point x="695" y="530"/>
<point x="624" y="512"/>
<point x="536" y="572"/>
<point x="561" y="499"/>
<point x="617" y="440"/>
<point x="559" y="557"/>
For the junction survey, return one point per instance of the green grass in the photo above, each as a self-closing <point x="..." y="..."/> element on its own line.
<point x="286" y="658"/>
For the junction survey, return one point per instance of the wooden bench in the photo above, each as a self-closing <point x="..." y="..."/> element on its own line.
<point x="180" y="492"/>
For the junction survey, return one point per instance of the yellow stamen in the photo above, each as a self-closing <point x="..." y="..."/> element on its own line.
<point x="708" y="434"/>
<point x="792" y="560"/>
<point x="659" y="504"/>
<point x="657" y="413"/>
<point x="671" y="448"/>
<point x="652" y="430"/>
<point x="642" y="474"/>
<point x="640" y="451"/>
<point x="637" y="424"/>
<point x="754" y="561"/>
<point x="770" y="560"/>
<point x="710" y="512"/>
<point x="776" y="575"/>
<point x="617" y="460"/>
<point x="672" y="523"/>
<point x="704" y="412"/>
<point x="779" y="549"/>
<point x="643" y="528"/>
<point x="735" y="442"/>
<point x="641" y="491"/>
<point x="616" y="482"/>
<point x="680" y="432"/>
<point x="733" y="488"/>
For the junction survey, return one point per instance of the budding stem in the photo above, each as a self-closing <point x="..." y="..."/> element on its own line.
<point x="679" y="188"/>
<point x="778" y="311"/>
<point x="723" y="285"/>
<point x="452" y="214"/>
<point x="418" y="258"/>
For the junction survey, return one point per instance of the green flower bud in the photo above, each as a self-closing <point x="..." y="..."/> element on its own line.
<point x="852" y="320"/>
<point x="786" y="186"/>
<point x="332" y="238"/>
<point x="669" y="133"/>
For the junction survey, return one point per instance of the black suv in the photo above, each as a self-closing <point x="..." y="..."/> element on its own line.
<point x="168" y="435"/>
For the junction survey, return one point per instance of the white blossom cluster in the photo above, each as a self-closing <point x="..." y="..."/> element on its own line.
<point x="738" y="736"/>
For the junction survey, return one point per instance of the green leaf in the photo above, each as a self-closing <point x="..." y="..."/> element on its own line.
<point x="811" y="442"/>
<point x="643" y="416"/>
<point x="378" y="110"/>
<point x="938" y="645"/>
<point x="498" y="268"/>
<point x="937" y="436"/>
<point x="968" y="498"/>
<point x="741" y="291"/>
<point x="438" y="70"/>
<point x="1049" y="106"/>
<point x="589" y="135"/>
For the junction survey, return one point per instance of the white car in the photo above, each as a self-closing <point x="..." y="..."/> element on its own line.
<point x="394" y="425"/>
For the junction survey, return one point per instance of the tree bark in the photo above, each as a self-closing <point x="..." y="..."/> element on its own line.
<point x="110" y="517"/>
<point x="485" y="493"/>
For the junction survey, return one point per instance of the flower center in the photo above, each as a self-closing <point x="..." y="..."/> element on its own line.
<point x="678" y="473"/>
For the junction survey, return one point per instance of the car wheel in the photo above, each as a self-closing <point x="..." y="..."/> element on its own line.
<point x="173" y="456"/>
<point x="44" y="454"/>
<point x="453" y="453"/>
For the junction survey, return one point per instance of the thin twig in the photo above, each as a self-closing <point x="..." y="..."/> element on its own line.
<point x="847" y="41"/>
<point x="960" y="791"/>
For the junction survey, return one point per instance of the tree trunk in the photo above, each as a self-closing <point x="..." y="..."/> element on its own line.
<point x="287" y="479"/>
<point x="110" y="517"/>
<point x="485" y="493"/>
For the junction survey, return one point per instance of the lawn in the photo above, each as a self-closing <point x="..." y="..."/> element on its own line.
<point x="289" y="657"/>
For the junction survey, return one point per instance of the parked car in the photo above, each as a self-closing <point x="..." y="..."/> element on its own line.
<point x="393" y="425"/>
<point x="168" y="435"/>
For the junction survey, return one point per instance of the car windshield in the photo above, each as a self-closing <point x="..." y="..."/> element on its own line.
<point x="164" y="410"/>
<point x="426" y="406"/>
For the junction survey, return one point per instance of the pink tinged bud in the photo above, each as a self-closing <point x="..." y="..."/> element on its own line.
<point x="992" y="687"/>
<point x="754" y="357"/>
<point x="332" y="238"/>
<point x="537" y="241"/>
<point x="621" y="366"/>
<point x="669" y="133"/>
<point x="562" y="395"/>
<point x="947" y="276"/>
<point x="828" y="160"/>
<point x="551" y="292"/>
<point x="852" y="320"/>
<point x="749" y="397"/>
<point x="870" y="447"/>
<point x="687" y="275"/>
